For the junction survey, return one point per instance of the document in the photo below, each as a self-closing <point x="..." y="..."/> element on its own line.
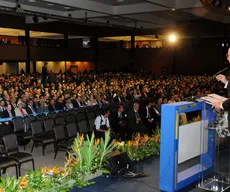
<point x="212" y="98"/>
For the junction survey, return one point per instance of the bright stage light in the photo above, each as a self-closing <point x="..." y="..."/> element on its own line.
<point x="172" y="38"/>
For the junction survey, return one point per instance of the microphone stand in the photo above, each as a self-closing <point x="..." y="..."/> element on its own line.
<point x="220" y="71"/>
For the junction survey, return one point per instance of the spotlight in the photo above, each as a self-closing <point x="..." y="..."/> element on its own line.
<point x="228" y="8"/>
<point x="35" y="19"/>
<point x="172" y="38"/>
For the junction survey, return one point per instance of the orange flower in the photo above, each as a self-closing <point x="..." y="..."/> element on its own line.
<point x="69" y="160"/>
<point x="156" y="138"/>
<point x="129" y="143"/>
<point x="142" y="140"/>
<point x="97" y="141"/>
<point x="23" y="182"/>
<point x="75" y="149"/>
<point x="55" y="170"/>
<point x="146" y="137"/>
<point x="45" y="169"/>
<point x="2" y="190"/>
<point x="135" y="143"/>
<point x="81" y="139"/>
<point x="78" y="159"/>
<point x="115" y="143"/>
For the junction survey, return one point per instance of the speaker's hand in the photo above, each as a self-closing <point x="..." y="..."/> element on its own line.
<point x="222" y="78"/>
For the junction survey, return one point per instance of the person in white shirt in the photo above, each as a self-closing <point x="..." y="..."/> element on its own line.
<point x="101" y="124"/>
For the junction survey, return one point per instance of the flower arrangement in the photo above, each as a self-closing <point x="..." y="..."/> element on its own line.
<point x="88" y="156"/>
<point x="141" y="147"/>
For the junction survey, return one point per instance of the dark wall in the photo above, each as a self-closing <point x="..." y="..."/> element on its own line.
<point x="153" y="60"/>
<point x="61" y="54"/>
<point x="187" y="59"/>
<point x="199" y="60"/>
<point x="114" y="59"/>
<point x="12" y="52"/>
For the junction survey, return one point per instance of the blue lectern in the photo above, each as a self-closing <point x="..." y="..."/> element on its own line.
<point x="181" y="143"/>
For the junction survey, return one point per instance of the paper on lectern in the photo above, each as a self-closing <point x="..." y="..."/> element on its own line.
<point x="212" y="98"/>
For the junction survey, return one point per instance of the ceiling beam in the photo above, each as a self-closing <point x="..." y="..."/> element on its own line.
<point x="152" y="19"/>
<point x="85" y="5"/>
<point x="188" y="4"/>
<point x="163" y="3"/>
<point x="138" y="8"/>
<point x="204" y="13"/>
<point x="81" y="14"/>
<point x="31" y="8"/>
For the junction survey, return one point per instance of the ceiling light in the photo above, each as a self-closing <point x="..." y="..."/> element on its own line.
<point x="172" y="38"/>
<point x="32" y="1"/>
<point x="67" y="7"/>
<point x="229" y="8"/>
<point x="50" y="4"/>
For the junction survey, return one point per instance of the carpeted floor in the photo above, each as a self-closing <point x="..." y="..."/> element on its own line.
<point x="145" y="184"/>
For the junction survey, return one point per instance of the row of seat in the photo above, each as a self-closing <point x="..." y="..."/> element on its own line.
<point x="11" y="157"/>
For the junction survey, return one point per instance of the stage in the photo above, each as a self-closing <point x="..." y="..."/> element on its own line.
<point x="146" y="184"/>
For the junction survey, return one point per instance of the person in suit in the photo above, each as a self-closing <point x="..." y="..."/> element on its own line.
<point x="146" y="117"/>
<point x="59" y="104"/>
<point x="51" y="106"/>
<point x="42" y="107"/>
<point x="130" y="96"/>
<point x="30" y="107"/>
<point x="226" y="104"/>
<point x="135" y="123"/>
<point x="69" y="104"/>
<point x="119" y="122"/>
<point x="20" y="111"/>
<point x="117" y="97"/>
<point x="5" y="112"/>
<point x="78" y="102"/>
<point x="44" y="74"/>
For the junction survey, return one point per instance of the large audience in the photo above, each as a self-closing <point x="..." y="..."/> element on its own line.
<point x="26" y="93"/>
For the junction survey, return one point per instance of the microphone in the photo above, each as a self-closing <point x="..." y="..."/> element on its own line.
<point x="220" y="71"/>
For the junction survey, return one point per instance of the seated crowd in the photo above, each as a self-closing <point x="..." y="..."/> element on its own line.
<point x="25" y="95"/>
